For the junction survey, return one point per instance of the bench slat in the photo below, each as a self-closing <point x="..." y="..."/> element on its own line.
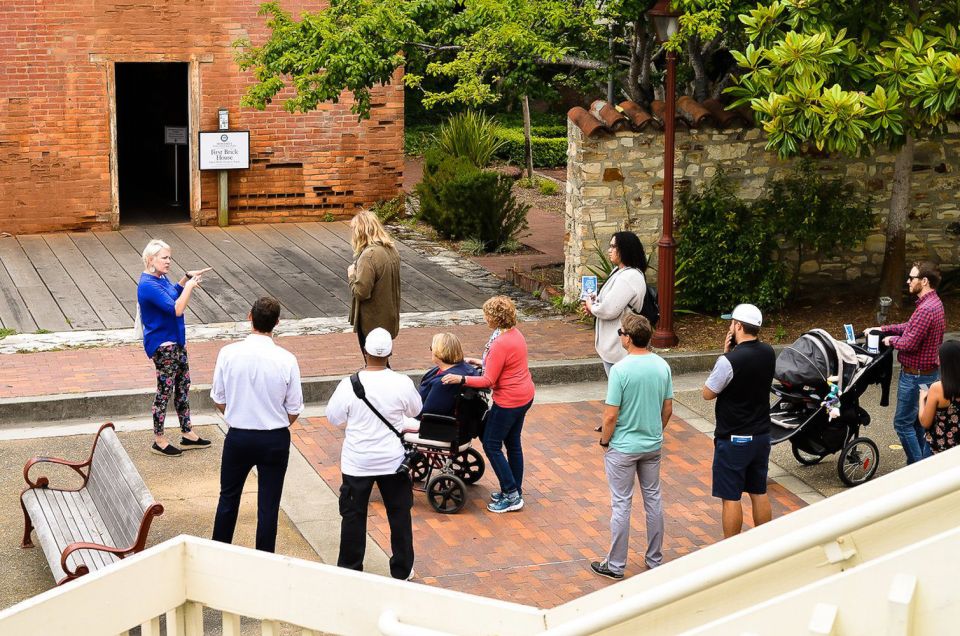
<point x="119" y="500"/>
<point x="85" y="531"/>
<point x="46" y="532"/>
<point x="58" y="525"/>
<point x="117" y="489"/>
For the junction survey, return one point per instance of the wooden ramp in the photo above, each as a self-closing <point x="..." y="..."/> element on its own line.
<point x="63" y="282"/>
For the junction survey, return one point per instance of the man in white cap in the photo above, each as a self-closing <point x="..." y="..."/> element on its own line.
<point x="740" y="382"/>
<point x="372" y="404"/>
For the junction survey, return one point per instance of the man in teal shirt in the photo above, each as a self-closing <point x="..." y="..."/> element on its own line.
<point x="639" y="403"/>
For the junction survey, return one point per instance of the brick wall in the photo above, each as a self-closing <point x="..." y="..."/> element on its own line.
<point x="617" y="182"/>
<point x="55" y="140"/>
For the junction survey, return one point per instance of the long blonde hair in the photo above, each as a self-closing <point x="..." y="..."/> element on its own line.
<point x="367" y="230"/>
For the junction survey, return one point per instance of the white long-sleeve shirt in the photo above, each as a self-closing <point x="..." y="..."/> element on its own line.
<point x="625" y="286"/>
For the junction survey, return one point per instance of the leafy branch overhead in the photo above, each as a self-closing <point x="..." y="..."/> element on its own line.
<point x="478" y="52"/>
<point x="849" y="75"/>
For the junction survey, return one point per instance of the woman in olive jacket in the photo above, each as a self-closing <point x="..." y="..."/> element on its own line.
<point x="374" y="278"/>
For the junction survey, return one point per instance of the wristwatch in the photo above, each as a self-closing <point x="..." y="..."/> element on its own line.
<point x="463" y="379"/>
<point x="602" y="444"/>
<point x="188" y="275"/>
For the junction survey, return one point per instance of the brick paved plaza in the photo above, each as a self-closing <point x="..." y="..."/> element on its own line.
<point x="541" y="555"/>
<point x="126" y="367"/>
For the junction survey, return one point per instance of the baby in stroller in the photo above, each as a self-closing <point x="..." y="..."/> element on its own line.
<point x="817" y="408"/>
<point x="439" y="439"/>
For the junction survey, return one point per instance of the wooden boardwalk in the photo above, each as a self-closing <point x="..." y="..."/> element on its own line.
<point x="63" y="282"/>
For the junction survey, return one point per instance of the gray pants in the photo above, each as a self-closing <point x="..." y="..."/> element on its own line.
<point x="621" y="470"/>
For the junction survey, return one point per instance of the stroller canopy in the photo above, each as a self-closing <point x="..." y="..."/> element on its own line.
<point x="816" y="356"/>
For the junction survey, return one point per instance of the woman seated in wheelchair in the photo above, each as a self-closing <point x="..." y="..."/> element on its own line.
<point x="438" y="398"/>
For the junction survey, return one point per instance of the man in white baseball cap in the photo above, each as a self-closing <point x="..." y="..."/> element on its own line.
<point x="740" y="382"/>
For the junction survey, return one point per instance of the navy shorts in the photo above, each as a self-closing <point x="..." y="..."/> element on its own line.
<point x="740" y="468"/>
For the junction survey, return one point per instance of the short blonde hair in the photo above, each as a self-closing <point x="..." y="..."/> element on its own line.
<point x="501" y="311"/>
<point x="367" y="230"/>
<point x="152" y="249"/>
<point x="447" y="348"/>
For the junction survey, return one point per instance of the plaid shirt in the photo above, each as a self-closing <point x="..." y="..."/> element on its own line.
<point x="918" y="339"/>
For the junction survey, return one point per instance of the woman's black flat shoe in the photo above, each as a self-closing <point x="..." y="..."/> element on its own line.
<point x="167" y="451"/>
<point x="190" y="444"/>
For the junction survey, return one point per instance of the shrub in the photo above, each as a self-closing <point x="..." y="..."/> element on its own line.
<point x="816" y="215"/>
<point x="390" y="210"/>
<point x="548" y="152"/>
<point x="548" y="187"/>
<point x="471" y="135"/>
<point x="726" y="249"/>
<point x="462" y="202"/>
<point x="417" y="139"/>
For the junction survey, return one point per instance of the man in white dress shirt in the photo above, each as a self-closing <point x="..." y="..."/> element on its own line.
<point x="256" y="385"/>
<point x="372" y="454"/>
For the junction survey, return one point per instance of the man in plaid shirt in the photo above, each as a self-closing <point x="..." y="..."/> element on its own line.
<point x="917" y="342"/>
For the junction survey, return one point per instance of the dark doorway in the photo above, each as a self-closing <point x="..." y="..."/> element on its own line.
<point x="154" y="174"/>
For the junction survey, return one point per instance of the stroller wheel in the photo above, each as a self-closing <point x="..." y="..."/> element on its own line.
<point x="805" y="458"/>
<point x="858" y="461"/>
<point x="469" y="466"/>
<point x="418" y="472"/>
<point x="446" y="493"/>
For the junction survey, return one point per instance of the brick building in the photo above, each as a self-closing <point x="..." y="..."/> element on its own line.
<point x="87" y="87"/>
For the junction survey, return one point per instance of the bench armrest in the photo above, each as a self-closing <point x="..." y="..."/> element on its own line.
<point x="78" y="467"/>
<point x="140" y="543"/>
<point x="43" y="482"/>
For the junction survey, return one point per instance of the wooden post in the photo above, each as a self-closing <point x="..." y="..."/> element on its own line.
<point x="664" y="336"/>
<point x="223" y="218"/>
<point x="527" y="144"/>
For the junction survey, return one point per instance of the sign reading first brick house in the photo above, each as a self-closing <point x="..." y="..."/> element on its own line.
<point x="72" y="81"/>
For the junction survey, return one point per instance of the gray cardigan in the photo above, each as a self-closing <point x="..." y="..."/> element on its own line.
<point x="625" y="286"/>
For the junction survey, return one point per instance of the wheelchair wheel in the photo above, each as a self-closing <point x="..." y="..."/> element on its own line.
<point x="469" y="466"/>
<point x="446" y="493"/>
<point x="858" y="461"/>
<point x="805" y="458"/>
<point x="418" y="472"/>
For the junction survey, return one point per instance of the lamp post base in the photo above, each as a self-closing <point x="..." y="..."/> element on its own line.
<point x="662" y="339"/>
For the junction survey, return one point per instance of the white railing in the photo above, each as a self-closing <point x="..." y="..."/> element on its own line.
<point x="885" y="539"/>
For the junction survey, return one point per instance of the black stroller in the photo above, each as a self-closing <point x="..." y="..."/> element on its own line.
<point x="819" y="384"/>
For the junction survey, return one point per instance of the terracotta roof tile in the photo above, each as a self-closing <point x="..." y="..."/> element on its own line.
<point x="610" y="116"/>
<point x="604" y="119"/>
<point x="639" y="118"/>
<point x="590" y="125"/>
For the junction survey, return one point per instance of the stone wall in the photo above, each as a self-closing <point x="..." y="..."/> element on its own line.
<point x="616" y="182"/>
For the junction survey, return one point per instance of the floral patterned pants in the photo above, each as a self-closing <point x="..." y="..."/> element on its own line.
<point x="173" y="376"/>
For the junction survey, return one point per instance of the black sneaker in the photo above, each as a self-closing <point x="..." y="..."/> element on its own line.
<point x="190" y="444"/>
<point x="167" y="451"/>
<point x="601" y="568"/>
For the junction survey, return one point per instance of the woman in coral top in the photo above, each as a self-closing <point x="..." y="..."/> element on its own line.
<point x="505" y="370"/>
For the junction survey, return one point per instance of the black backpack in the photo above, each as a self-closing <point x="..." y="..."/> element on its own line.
<point x="651" y="308"/>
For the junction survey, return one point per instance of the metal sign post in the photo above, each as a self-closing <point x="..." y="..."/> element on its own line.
<point x="175" y="136"/>
<point x="223" y="217"/>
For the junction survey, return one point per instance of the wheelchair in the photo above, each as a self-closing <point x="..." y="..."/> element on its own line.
<point x="447" y="463"/>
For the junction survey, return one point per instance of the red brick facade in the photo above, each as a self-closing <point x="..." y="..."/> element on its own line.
<point x="57" y="72"/>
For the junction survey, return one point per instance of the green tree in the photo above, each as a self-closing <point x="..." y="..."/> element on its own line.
<point x="487" y="50"/>
<point x="849" y="77"/>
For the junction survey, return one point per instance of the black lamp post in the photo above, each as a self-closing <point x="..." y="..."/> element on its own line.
<point x="666" y="21"/>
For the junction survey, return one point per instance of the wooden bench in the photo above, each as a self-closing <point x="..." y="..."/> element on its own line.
<point x="101" y="522"/>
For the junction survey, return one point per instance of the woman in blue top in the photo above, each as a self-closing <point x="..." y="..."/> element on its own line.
<point x="161" y="305"/>
<point x="438" y="398"/>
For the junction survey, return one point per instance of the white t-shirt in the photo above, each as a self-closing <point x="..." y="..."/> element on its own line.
<point x="369" y="448"/>
<point x="259" y="382"/>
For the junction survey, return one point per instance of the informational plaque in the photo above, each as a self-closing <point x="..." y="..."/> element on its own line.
<point x="225" y="150"/>
<point x="175" y="135"/>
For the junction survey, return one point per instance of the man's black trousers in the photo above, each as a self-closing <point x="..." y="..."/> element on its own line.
<point x="243" y="449"/>
<point x="397" y="493"/>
